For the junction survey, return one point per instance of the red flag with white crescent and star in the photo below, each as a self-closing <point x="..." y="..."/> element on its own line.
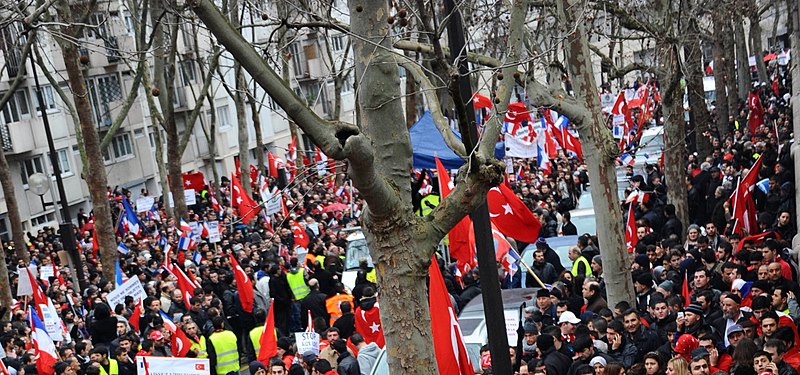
<point x="244" y="285"/>
<point x="368" y="324"/>
<point x="511" y="216"/>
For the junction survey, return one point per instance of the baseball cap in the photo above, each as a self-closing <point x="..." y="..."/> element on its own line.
<point x="568" y="317"/>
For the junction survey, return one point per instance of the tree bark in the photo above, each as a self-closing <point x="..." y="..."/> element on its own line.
<point x="599" y="153"/>
<point x="96" y="172"/>
<point x="756" y="46"/>
<point x="794" y="16"/>
<point x="164" y="61"/>
<point x="675" y="143"/>
<point x="720" y="72"/>
<point x="5" y="288"/>
<point x="742" y="58"/>
<point x="730" y="69"/>
<point x="259" y="138"/>
<point x="411" y="98"/>
<point x="697" y="100"/>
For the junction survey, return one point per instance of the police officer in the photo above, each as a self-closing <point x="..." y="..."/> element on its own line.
<point x="223" y="352"/>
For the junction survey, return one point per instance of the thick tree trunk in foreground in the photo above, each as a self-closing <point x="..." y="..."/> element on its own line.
<point x="697" y="99"/>
<point x="794" y="16"/>
<point x="96" y="171"/>
<point x="720" y="78"/>
<point x="599" y="151"/>
<point x="10" y="195"/>
<point x="401" y="274"/>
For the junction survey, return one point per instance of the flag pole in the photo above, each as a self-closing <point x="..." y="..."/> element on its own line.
<point x="530" y="270"/>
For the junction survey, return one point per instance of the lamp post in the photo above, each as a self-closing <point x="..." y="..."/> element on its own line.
<point x="65" y="227"/>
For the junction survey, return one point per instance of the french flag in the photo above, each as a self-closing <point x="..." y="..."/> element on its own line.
<point x="763" y="185"/>
<point x="186" y="242"/>
<point x="197" y="257"/>
<point x="122" y="248"/>
<point x="130" y="222"/>
<point x="185" y="227"/>
<point x="153" y="214"/>
<point x="627" y="159"/>
<point x="120" y="276"/>
<point x="44" y="347"/>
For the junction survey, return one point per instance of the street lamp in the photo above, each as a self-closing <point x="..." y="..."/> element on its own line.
<point x="65" y="228"/>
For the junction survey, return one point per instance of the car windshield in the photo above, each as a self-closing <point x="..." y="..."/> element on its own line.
<point x="356" y="250"/>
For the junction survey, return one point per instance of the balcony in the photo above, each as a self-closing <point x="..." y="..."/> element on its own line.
<point x="16" y="137"/>
<point x="14" y="61"/>
<point x="112" y="49"/>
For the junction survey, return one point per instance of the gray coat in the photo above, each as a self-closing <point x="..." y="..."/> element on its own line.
<point x="367" y="356"/>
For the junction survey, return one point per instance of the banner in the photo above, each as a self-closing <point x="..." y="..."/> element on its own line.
<point x="46" y="272"/>
<point x="132" y="287"/>
<point x="213" y="231"/>
<point x="147" y="365"/>
<point x="307" y="341"/>
<point x="512" y="324"/>
<point x="144" y="204"/>
<point x="52" y="322"/>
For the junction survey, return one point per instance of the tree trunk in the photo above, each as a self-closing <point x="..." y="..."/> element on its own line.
<point x="701" y="120"/>
<point x="730" y="70"/>
<point x="241" y="121"/>
<point x="675" y="151"/>
<point x="599" y="151"/>
<point x="756" y="47"/>
<point x="259" y="137"/>
<point x="720" y="72"/>
<point x="6" y="298"/>
<point x="164" y="66"/>
<point x="401" y="271"/>
<point x="96" y="171"/>
<point x="212" y="145"/>
<point x="742" y="58"/>
<point x="794" y="16"/>
<point x="9" y="192"/>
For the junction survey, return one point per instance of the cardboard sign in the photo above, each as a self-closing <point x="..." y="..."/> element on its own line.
<point x="512" y="324"/>
<point x="213" y="231"/>
<point x="46" y="272"/>
<point x="24" y="285"/>
<point x="52" y="322"/>
<point x="146" y="365"/>
<point x="188" y="196"/>
<point x="132" y="287"/>
<point x="306" y="341"/>
<point x="274" y="203"/>
<point x="197" y="229"/>
<point x="144" y="204"/>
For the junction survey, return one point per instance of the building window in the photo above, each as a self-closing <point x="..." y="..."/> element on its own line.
<point x="63" y="162"/>
<point x="29" y="167"/>
<point x="49" y="99"/>
<point x="347" y="84"/>
<point x="5" y="233"/>
<point x="43" y="219"/>
<point x="17" y="107"/>
<point x="298" y="62"/>
<point x="337" y="42"/>
<point x="222" y="117"/>
<point x="187" y="72"/>
<point x="121" y="146"/>
<point x="102" y="91"/>
<point x="129" y="27"/>
<point x="96" y="27"/>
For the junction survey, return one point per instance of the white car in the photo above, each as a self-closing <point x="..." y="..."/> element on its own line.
<point x="355" y="251"/>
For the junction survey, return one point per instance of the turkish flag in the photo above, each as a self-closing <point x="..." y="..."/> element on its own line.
<point x="253" y="173"/>
<point x="274" y="163"/>
<point x="448" y="343"/>
<point x="243" y="285"/>
<point x="630" y="231"/>
<point x="743" y="206"/>
<point x="268" y="342"/>
<point x="135" y="315"/>
<point x="248" y="209"/>
<point x="756" y="117"/>
<point x="511" y="216"/>
<point x="185" y="285"/>
<point x="479" y="101"/>
<point x="368" y="324"/>
<point x="95" y="243"/>
<point x="460" y="247"/>
<point x="194" y="180"/>
<point x="687" y="298"/>
<point x="180" y="342"/>
<point x="300" y="235"/>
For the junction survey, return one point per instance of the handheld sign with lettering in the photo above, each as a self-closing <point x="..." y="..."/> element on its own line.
<point x="306" y="341"/>
<point x="146" y="365"/>
<point x="144" y="204"/>
<point x="213" y="231"/>
<point x="132" y="287"/>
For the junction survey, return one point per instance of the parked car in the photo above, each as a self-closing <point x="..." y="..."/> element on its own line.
<point x="356" y="250"/>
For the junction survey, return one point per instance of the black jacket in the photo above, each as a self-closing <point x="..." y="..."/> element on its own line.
<point x="555" y="362"/>
<point x="314" y="302"/>
<point x="346" y="325"/>
<point x="347" y="364"/>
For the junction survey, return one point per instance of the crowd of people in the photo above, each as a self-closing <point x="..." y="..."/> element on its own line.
<point x="709" y="299"/>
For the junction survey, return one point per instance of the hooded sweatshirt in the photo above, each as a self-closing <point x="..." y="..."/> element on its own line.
<point x="367" y="356"/>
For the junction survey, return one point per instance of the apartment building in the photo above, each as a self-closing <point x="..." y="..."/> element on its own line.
<point x="130" y="157"/>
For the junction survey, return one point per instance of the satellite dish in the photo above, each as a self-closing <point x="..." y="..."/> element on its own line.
<point x="38" y="183"/>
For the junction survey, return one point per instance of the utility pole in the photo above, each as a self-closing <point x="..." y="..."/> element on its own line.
<point x="461" y="91"/>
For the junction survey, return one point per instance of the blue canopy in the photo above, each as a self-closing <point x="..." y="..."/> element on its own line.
<point x="427" y="141"/>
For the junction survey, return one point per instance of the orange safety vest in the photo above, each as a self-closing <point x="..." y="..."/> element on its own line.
<point x="332" y="305"/>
